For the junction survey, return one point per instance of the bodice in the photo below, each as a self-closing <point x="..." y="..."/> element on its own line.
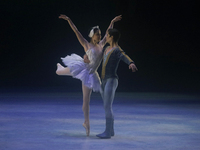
<point x="95" y="58"/>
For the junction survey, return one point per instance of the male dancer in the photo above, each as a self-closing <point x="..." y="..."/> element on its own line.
<point x="111" y="58"/>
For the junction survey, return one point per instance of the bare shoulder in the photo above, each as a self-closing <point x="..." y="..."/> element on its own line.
<point x="102" y="43"/>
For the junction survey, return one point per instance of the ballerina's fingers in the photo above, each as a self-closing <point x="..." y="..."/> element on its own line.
<point x="63" y="17"/>
<point x="118" y="18"/>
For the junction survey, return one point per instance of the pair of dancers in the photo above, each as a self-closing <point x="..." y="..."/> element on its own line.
<point x="85" y="69"/>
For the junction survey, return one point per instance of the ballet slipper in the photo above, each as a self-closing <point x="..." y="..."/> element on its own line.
<point x="87" y="128"/>
<point x="59" y="67"/>
<point x="107" y="133"/>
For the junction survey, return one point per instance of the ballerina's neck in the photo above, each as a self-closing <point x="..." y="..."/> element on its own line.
<point x="94" y="43"/>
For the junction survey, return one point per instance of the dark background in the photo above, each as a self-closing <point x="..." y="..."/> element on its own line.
<point x="162" y="37"/>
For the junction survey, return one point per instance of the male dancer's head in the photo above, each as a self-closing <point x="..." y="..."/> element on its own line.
<point x="113" y="36"/>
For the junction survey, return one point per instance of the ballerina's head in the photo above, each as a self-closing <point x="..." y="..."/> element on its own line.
<point x="95" y="34"/>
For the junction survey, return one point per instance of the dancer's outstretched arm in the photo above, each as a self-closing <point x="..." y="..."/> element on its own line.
<point x="117" y="18"/>
<point x="81" y="39"/>
<point x="133" y="67"/>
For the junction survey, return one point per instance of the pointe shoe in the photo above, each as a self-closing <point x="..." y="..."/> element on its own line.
<point x="59" y="68"/>
<point x="87" y="129"/>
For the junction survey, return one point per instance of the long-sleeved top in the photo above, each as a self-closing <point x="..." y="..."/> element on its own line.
<point x="111" y="61"/>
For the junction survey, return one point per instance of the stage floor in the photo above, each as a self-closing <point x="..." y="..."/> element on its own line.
<point x="143" y="121"/>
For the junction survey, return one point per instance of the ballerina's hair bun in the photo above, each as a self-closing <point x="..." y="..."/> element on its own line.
<point x="93" y="30"/>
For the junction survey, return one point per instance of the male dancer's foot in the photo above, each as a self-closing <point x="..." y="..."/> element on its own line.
<point x="109" y="131"/>
<point x="87" y="128"/>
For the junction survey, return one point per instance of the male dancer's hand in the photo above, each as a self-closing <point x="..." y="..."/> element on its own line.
<point x="86" y="59"/>
<point x="133" y="67"/>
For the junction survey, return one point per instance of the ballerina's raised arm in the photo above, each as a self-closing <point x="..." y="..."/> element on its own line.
<point x="117" y="18"/>
<point x="81" y="39"/>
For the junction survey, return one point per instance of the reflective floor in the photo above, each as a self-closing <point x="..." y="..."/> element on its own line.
<point x="143" y="121"/>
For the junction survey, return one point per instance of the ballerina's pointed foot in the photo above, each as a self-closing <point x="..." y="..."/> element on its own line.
<point x="87" y="129"/>
<point x="59" y="68"/>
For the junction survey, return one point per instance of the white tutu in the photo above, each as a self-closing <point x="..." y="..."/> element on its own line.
<point x="81" y="70"/>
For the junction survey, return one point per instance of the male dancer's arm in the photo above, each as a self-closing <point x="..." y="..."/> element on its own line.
<point x="86" y="59"/>
<point x="127" y="60"/>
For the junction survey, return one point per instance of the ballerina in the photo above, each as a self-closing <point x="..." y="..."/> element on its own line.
<point x="85" y="68"/>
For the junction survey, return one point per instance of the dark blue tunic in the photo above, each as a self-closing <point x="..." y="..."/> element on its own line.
<point x="111" y="62"/>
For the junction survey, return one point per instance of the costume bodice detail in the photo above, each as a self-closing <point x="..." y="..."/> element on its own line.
<point x="95" y="58"/>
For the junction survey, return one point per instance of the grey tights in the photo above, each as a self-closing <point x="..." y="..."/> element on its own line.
<point x="109" y="87"/>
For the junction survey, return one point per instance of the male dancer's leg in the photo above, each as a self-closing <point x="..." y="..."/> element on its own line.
<point x="108" y="96"/>
<point x="109" y="87"/>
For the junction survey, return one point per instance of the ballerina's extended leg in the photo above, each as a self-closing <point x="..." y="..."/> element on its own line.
<point x="62" y="70"/>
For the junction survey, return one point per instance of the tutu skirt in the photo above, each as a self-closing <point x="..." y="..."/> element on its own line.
<point x="81" y="70"/>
